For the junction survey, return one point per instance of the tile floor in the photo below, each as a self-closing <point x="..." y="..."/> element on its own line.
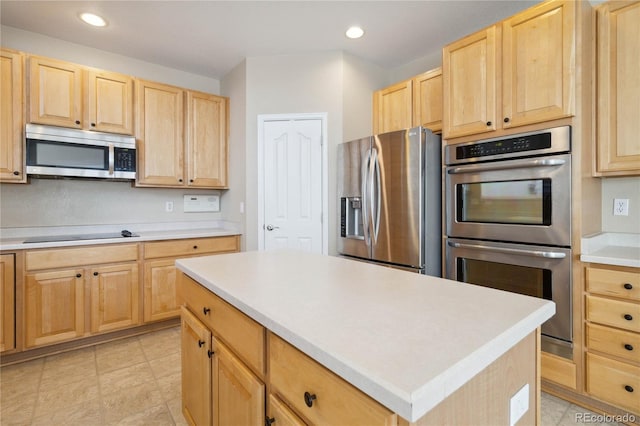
<point x="135" y="381"/>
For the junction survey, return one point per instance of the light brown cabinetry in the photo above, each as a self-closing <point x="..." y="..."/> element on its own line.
<point x="280" y="414"/>
<point x="160" y="292"/>
<point x="61" y="283"/>
<point x="58" y="96"/>
<point x="222" y="359"/>
<point x="7" y="302"/>
<point x="180" y="146"/>
<point x="413" y="102"/>
<point x="11" y="116"/>
<point x="618" y="88"/>
<point x="613" y="335"/>
<point x="520" y="71"/>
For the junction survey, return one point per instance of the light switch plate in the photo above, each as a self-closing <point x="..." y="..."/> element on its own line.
<point x="201" y="203"/>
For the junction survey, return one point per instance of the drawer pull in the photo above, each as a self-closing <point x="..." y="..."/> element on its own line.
<point x="628" y="317"/>
<point x="269" y="421"/>
<point x="195" y="247"/>
<point x="628" y="347"/>
<point x="200" y="343"/>
<point x="628" y="388"/>
<point x="309" y="398"/>
<point x="78" y="275"/>
<point x="628" y="286"/>
<point x="95" y="274"/>
<point x="206" y="310"/>
<point x="210" y="353"/>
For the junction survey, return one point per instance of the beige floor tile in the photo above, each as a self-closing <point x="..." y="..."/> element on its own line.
<point x="88" y="413"/>
<point x="153" y="416"/>
<point x="67" y="395"/>
<point x="161" y="343"/>
<point x="18" y="411"/>
<point x="122" y="379"/>
<point x="175" y="406"/>
<point x="120" y="405"/>
<point x="170" y="386"/>
<point x="551" y="409"/>
<point x="116" y="355"/>
<point x="166" y="366"/>
<point x="26" y="373"/>
<point x="580" y="416"/>
<point x="59" y="373"/>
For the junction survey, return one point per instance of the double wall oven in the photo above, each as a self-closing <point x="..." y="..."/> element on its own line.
<point x="508" y="210"/>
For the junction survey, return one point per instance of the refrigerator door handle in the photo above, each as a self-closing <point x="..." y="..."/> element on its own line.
<point x="375" y="210"/>
<point x="364" y="173"/>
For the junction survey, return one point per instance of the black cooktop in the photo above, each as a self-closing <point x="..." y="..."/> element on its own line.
<point x="54" y="238"/>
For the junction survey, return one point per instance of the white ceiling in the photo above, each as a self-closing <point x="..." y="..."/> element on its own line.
<point x="209" y="38"/>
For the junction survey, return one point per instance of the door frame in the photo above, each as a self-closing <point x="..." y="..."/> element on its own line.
<point x="264" y="118"/>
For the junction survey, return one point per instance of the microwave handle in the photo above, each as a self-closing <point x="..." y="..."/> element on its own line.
<point x="111" y="159"/>
<point x="521" y="164"/>
<point x="534" y="253"/>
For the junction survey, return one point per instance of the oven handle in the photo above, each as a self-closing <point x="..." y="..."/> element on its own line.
<point x="535" y="253"/>
<point x="519" y="165"/>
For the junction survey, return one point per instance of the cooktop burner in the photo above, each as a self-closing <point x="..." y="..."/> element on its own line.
<point x="55" y="238"/>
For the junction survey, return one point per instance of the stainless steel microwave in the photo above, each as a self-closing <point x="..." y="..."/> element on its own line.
<point x="61" y="152"/>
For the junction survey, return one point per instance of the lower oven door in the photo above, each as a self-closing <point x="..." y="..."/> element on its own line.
<point x="537" y="271"/>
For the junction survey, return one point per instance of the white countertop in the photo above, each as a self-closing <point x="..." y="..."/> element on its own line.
<point x="13" y="238"/>
<point x="406" y="340"/>
<point x="612" y="248"/>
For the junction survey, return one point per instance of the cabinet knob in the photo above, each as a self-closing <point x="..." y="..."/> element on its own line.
<point x="628" y="388"/>
<point x="200" y="343"/>
<point x="93" y="124"/>
<point x="210" y="353"/>
<point x="309" y="398"/>
<point x="506" y="119"/>
<point x="16" y="173"/>
<point x="489" y="123"/>
<point x="628" y="286"/>
<point x="195" y="247"/>
<point x="95" y="274"/>
<point x="78" y="275"/>
<point x="628" y="347"/>
<point x="206" y="310"/>
<point x="269" y="421"/>
<point x="179" y="180"/>
<point x="191" y="180"/>
<point x="628" y="317"/>
<point x="77" y="121"/>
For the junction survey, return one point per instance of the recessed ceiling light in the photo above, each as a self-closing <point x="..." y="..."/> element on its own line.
<point x="354" y="32"/>
<point x="92" y="19"/>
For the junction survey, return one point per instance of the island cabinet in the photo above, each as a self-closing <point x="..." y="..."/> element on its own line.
<point x="223" y="362"/>
<point x="7" y="302"/>
<point x="60" y="284"/>
<point x="11" y="116"/>
<point x="160" y="291"/>
<point x="517" y="72"/>
<point x="613" y="335"/>
<point x="182" y="137"/>
<point x="618" y="88"/>
<point x="69" y="95"/>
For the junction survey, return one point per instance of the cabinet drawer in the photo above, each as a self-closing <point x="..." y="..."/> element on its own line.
<point x="62" y="258"/>
<point x="614" y="283"/>
<point x="615" y="382"/>
<point x="613" y="312"/>
<point x="336" y="402"/>
<point x="623" y="344"/>
<point x="175" y="248"/>
<point x="242" y="334"/>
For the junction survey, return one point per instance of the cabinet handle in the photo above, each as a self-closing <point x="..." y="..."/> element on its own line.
<point x="206" y="310"/>
<point x="16" y="173"/>
<point x="78" y="275"/>
<point x="309" y="398"/>
<point x="628" y="286"/>
<point x="179" y="180"/>
<point x="488" y="123"/>
<point x="269" y="421"/>
<point x="210" y="353"/>
<point x="77" y="121"/>
<point x="506" y="119"/>
<point x="628" y="388"/>
<point x="628" y="347"/>
<point x="200" y="343"/>
<point x="191" y="180"/>
<point x="93" y="124"/>
<point x="195" y="247"/>
<point x="95" y="274"/>
<point x="628" y="317"/>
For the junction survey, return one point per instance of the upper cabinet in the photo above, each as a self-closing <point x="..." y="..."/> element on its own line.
<point x="11" y="116"/>
<point x="413" y="102"/>
<point x="174" y="138"/>
<point x="58" y="97"/>
<point x="532" y="54"/>
<point x="618" y="88"/>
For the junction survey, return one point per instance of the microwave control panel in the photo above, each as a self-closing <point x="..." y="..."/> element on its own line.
<point x="125" y="160"/>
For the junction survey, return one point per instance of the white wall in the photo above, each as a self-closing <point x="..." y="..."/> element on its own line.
<point x="621" y="187"/>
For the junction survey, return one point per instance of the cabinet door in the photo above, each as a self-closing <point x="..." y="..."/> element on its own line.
<point x="206" y="140"/>
<point x="7" y="303"/>
<point x="114" y="297"/>
<point x="427" y="100"/>
<point x="238" y="395"/>
<point x="469" y="81"/>
<point x="618" y="87"/>
<point x="160" y="134"/>
<point x="54" y="306"/>
<point x="278" y="413"/>
<point x="55" y="92"/>
<point x="392" y="108"/>
<point x="196" y="370"/>
<point x="538" y="64"/>
<point x="11" y="117"/>
<point x="109" y="102"/>
<point x="160" y="297"/>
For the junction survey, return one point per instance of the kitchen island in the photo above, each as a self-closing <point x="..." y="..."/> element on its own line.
<point x="406" y="347"/>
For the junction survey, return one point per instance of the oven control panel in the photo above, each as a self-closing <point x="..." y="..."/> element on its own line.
<point x="505" y="146"/>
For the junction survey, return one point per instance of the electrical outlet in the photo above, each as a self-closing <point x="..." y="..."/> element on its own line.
<point x="168" y="206"/>
<point x="518" y="405"/>
<point x="621" y="207"/>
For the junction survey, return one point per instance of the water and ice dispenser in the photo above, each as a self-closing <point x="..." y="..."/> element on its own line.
<point x="351" y="218"/>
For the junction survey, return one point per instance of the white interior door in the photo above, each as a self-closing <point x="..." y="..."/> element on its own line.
<point x="293" y="184"/>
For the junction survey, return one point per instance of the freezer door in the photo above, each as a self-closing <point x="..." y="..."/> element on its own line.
<point x="353" y="160"/>
<point x="397" y="198"/>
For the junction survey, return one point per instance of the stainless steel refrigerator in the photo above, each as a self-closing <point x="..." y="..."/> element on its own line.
<point x="389" y="189"/>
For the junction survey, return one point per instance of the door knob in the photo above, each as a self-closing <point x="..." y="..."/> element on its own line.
<point x="271" y="227"/>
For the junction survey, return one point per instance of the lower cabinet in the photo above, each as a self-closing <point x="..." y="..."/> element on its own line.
<point x="278" y="413"/>
<point x="7" y="302"/>
<point x="114" y="297"/>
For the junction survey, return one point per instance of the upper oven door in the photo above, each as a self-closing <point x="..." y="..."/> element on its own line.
<point x="525" y="200"/>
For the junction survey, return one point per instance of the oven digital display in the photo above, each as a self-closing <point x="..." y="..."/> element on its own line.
<point x="505" y="146"/>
